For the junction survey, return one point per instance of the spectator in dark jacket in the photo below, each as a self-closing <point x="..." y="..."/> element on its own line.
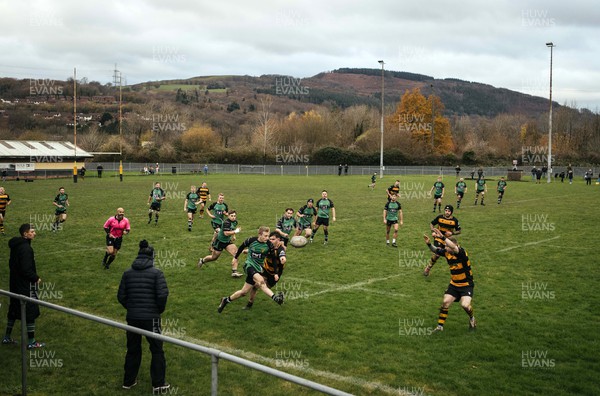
<point x="143" y="292"/>
<point x="24" y="280"/>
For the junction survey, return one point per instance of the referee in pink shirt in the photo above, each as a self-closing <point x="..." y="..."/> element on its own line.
<point x="115" y="227"/>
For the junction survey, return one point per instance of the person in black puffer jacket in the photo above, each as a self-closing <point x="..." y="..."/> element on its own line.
<point x="143" y="292"/>
<point x="24" y="280"/>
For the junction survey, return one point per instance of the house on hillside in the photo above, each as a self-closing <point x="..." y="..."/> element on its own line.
<point x="35" y="158"/>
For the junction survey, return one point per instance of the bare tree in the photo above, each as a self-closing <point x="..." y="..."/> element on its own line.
<point x="266" y="125"/>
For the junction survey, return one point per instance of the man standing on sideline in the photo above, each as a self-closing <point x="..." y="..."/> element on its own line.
<point x="324" y="207"/>
<point x="392" y="213"/>
<point x="143" y="293"/>
<point x="502" y="185"/>
<point x="24" y="280"/>
<point x="157" y="195"/>
<point x="340" y="170"/>
<point x="4" y="202"/>
<point x="346" y="170"/>
<point x="457" y="169"/>
<point x="115" y="227"/>
<point x="461" y="278"/>
<point x="61" y="201"/>
<point x="460" y="189"/>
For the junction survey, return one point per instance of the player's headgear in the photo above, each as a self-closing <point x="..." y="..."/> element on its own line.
<point x="310" y="200"/>
<point x="450" y="208"/>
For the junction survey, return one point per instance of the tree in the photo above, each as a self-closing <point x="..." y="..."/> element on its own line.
<point x="266" y="126"/>
<point x="422" y="120"/>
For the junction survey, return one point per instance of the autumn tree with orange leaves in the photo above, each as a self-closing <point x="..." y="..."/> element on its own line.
<point x="419" y="121"/>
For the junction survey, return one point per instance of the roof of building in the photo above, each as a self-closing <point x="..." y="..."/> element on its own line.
<point x="36" y="148"/>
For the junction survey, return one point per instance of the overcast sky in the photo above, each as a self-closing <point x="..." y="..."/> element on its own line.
<point x="501" y="42"/>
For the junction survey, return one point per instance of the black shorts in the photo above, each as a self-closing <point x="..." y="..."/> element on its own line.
<point x="2" y="213"/>
<point x="460" y="194"/>
<point x="215" y="226"/>
<point x="482" y="192"/>
<point x="270" y="279"/>
<point x="322" y="221"/>
<point x="391" y="222"/>
<point x="459" y="292"/>
<point x="250" y="271"/>
<point x="114" y="242"/>
<point x="302" y="226"/>
<point x="155" y="206"/>
<point x="437" y="196"/>
<point x="220" y="246"/>
<point x="192" y="211"/>
<point x="58" y="212"/>
<point x="501" y="193"/>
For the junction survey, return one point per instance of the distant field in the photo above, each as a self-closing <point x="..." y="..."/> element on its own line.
<point x="358" y="314"/>
<point x="185" y="87"/>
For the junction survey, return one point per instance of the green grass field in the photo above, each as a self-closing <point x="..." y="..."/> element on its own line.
<point x="358" y="315"/>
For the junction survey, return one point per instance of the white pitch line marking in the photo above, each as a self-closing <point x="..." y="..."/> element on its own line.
<point x="527" y="244"/>
<point x="318" y="373"/>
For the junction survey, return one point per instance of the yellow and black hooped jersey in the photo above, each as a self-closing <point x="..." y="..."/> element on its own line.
<point x="461" y="274"/>
<point x="273" y="261"/>
<point x="203" y="192"/>
<point x="4" y="200"/>
<point x="446" y="224"/>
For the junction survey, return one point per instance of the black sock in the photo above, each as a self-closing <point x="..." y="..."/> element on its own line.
<point x="105" y="257"/>
<point x="111" y="258"/>
<point x="10" y="323"/>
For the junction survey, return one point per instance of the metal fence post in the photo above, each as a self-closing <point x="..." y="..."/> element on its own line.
<point x="214" y="379"/>
<point x="23" y="348"/>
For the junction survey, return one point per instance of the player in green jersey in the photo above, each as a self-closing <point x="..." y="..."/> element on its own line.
<point x="502" y="186"/>
<point x="224" y="241"/>
<point x="61" y="202"/>
<point x="481" y="188"/>
<point x="392" y="213"/>
<point x="306" y="218"/>
<point x="286" y="225"/>
<point x="373" y="181"/>
<point x="192" y="200"/>
<point x="217" y="211"/>
<point x="324" y="208"/>
<point x="258" y="248"/>
<point x="438" y="186"/>
<point x="460" y="189"/>
<point x="157" y="195"/>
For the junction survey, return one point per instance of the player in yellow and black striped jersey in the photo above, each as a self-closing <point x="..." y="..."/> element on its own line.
<point x="461" y="278"/>
<point x="204" y="194"/>
<point x="394" y="189"/>
<point x="4" y="202"/>
<point x="448" y="225"/>
<point x="273" y="265"/>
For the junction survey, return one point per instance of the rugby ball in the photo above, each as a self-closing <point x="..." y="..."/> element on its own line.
<point x="298" y="241"/>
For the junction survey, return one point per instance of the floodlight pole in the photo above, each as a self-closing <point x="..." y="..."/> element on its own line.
<point x="75" y="124"/>
<point x="120" y="128"/>
<point x="381" y="151"/>
<point x="551" y="45"/>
